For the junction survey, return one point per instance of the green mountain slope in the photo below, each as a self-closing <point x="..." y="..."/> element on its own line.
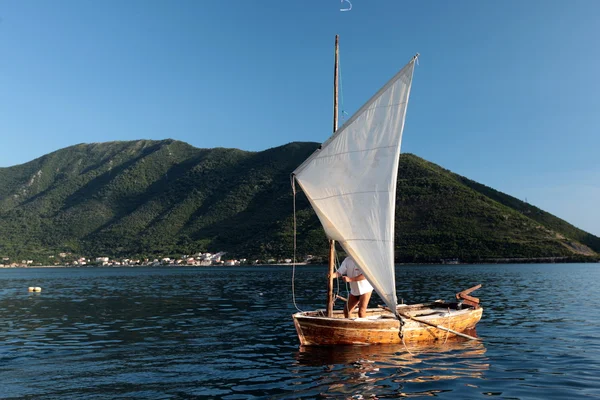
<point x="444" y="215"/>
<point x="149" y="198"/>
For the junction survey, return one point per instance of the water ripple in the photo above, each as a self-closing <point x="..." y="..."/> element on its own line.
<point x="227" y="333"/>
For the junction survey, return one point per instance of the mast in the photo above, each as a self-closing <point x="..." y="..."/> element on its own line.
<point x="335" y="126"/>
<point x="335" y="85"/>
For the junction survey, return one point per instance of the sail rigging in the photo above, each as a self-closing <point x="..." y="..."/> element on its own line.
<point x="351" y="182"/>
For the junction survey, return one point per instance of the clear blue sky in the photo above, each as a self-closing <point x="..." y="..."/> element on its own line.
<point x="506" y="93"/>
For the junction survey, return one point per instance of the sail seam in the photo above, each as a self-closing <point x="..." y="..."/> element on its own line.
<point x="393" y="146"/>
<point x="386" y="106"/>
<point x="349" y="194"/>
<point x="399" y="75"/>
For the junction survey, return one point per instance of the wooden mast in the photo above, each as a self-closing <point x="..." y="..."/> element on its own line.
<point x="335" y="126"/>
<point x="335" y="85"/>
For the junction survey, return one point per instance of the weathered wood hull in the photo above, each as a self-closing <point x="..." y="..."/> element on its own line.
<point x="381" y="327"/>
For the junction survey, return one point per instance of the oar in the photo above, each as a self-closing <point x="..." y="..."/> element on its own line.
<point x="443" y="328"/>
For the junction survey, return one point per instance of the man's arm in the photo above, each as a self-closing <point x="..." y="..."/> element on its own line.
<point x="358" y="278"/>
<point x="336" y="275"/>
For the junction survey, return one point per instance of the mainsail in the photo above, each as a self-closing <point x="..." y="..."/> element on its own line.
<point x="351" y="182"/>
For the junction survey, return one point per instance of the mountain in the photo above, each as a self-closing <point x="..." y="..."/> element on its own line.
<point x="150" y="198"/>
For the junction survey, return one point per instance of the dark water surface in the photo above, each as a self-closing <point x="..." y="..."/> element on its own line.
<point x="168" y="333"/>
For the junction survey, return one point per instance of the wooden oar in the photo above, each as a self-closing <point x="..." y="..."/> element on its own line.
<point x="443" y="328"/>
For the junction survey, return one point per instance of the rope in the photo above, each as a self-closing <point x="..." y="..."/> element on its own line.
<point x="406" y="348"/>
<point x="348" y="293"/>
<point x="294" y="262"/>
<point x="336" y="265"/>
<point x="447" y="332"/>
<point x="401" y="334"/>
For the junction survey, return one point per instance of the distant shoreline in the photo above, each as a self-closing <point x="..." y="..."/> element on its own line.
<point x="153" y="266"/>
<point x="488" y="262"/>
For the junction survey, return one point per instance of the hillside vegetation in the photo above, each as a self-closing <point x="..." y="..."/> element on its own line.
<point x="150" y="198"/>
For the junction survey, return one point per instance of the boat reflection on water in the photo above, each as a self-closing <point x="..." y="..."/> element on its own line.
<point x="412" y="370"/>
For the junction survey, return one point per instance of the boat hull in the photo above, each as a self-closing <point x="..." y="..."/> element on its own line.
<point x="381" y="327"/>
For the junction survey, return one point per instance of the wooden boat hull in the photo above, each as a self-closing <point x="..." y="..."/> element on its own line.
<point x="381" y="327"/>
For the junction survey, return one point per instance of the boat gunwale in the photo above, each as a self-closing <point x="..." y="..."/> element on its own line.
<point x="454" y="313"/>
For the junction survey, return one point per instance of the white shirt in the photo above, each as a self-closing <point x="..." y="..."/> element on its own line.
<point x="351" y="270"/>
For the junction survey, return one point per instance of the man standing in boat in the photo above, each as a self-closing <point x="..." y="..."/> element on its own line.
<point x="360" y="288"/>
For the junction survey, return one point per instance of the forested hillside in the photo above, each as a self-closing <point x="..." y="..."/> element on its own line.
<point x="150" y="198"/>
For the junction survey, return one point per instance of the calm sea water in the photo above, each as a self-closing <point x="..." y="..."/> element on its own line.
<point x="168" y="333"/>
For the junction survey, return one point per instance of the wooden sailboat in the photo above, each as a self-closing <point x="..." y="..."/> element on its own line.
<point x="350" y="182"/>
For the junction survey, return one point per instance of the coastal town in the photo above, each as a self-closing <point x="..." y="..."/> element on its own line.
<point x="193" y="260"/>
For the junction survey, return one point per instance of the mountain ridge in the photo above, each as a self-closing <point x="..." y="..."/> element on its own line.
<point x="148" y="197"/>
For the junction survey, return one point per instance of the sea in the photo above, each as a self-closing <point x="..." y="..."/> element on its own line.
<point x="227" y="333"/>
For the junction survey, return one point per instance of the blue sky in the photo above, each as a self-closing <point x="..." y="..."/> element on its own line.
<point x="506" y="92"/>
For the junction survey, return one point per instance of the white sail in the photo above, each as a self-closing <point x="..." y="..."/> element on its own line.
<point x="351" y="182"/>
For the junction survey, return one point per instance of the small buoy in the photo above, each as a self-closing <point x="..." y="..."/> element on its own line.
<point x="30" y="289"/>
<point x="37" y="289"/>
